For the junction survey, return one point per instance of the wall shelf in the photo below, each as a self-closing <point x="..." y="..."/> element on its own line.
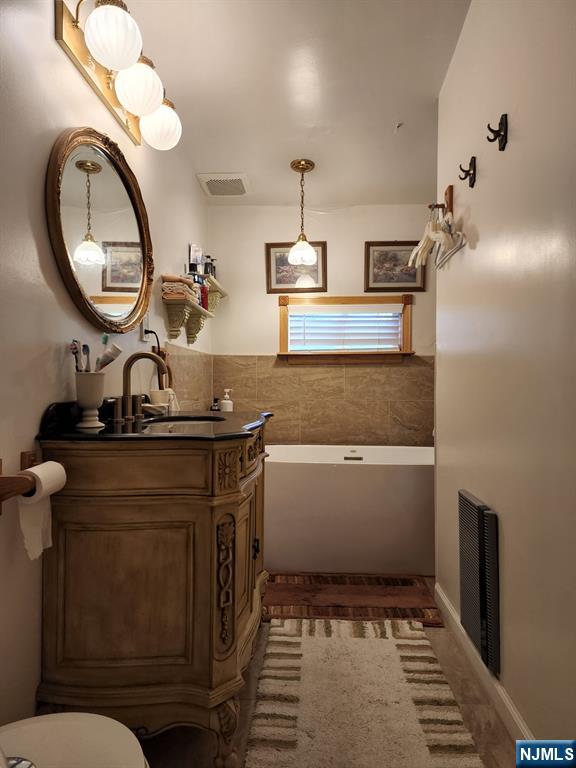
<point x="186" y="313"/>
<point x="215" y="292"/>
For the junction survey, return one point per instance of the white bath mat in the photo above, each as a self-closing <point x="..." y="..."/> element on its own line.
<point x="355" y="694"/>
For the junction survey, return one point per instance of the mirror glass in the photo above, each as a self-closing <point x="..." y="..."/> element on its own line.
<point x="101" y="234"/>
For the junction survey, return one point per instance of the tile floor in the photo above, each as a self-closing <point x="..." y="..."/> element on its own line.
<point x="191" y="748"/>
<point x="494" y="744"/>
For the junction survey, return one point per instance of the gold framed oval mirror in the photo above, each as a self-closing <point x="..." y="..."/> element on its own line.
<point x="99" y="230"/>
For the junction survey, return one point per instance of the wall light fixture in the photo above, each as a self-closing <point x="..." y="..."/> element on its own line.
<point x="138" y="88"/>
<point x="108" y="54"/>
<point x="162" y="129"/>
<point x="111" y="34"/>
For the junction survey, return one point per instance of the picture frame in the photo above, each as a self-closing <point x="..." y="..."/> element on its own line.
<point x="122" y="271"/>
<point x="282" y="277"/>
<point x="386" y="267"/>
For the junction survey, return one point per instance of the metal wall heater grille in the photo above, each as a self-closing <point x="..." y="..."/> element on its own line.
<point x="479" y="580"/>
<point x="492" y="591"/>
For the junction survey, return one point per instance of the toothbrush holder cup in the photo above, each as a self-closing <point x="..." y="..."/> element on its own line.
<point x="90" y="394"/>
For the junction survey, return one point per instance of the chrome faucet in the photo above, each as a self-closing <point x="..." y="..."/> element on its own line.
<point x="127" y="384"/>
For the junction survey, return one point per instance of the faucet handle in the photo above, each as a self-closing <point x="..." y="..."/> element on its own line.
<point x="117" y="419"/>
<point x="127" y="413"/>
<point x="137" y="408"/>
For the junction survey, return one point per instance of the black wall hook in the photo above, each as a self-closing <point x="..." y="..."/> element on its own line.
<point x="470" y="172"/>
<point x="500" y="133"/>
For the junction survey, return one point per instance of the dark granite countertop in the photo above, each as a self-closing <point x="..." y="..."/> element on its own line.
<point x="59" y="420"/>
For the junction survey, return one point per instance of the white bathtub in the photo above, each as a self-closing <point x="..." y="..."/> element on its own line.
<point x="350" y="509"/>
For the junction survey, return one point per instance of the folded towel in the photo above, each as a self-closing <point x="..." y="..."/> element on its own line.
<point x="178" y="279"/>
<point x="180" y="297"/>
<point x="180" y="290"/>
<point x="177" y="287"/>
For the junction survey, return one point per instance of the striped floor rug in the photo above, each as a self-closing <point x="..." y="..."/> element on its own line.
<point x="355" y="694"/>
<point x="349" y="596"/>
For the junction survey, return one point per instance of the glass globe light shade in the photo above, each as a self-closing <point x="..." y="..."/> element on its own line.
<point x="89" y="252"/>
<point x="305" y="281"/>
<point x="162" y="129"/>
<point x="112" y="36"/>
<point x="302" y="252"/>
<point x="139" y="89"/>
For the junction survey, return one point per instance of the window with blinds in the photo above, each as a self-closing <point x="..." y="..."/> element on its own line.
<point x="345" y="328"/>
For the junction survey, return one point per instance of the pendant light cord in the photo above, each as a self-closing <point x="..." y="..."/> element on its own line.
<point x="88" y="211"/>
<point x="301" y="203"/>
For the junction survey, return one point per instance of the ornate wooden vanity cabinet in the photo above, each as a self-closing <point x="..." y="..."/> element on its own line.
<point x="153" y="585"/>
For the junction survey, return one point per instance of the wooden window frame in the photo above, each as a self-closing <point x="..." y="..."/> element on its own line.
<point x="346" y="356"/>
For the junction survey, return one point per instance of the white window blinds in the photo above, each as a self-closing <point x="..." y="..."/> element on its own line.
<point x="361" y="328"/>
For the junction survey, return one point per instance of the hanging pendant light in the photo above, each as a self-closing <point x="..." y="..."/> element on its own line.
<point x="88" y="252"/>
<point x="138" y="88"/>
<point x="302" y="252"/>
<point x="112" y="36"/>
<point x="162" y="129"/>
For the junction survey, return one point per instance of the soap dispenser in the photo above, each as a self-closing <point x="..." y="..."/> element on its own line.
<point x="226" y="404"/>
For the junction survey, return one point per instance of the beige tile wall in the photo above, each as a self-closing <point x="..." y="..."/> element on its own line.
<point x="192" y="374"/>
<point x="334" y="404"/>
<point x="321" y="404"/>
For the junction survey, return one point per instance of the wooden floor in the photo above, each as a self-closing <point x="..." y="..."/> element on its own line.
<point x="362" y="597"/>
<point x="190" y="748"/>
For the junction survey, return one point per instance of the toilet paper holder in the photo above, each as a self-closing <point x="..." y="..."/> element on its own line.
<point x="17" y="485"/>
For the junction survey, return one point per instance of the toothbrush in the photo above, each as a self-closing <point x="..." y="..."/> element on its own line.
<point x="79" y="358"/>
<point x="86" y="353"/>
<point x="73" y="347"/>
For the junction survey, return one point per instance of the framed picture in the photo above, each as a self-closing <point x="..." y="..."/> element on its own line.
<point x="386" y="267"/>
<point x="283" y="277"/>
<point x="123" y="268"/>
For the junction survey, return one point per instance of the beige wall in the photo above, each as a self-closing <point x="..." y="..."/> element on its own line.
<point x="247" y="321"/>
<point x="41" y="95"/>
<point x="506" y="355"/>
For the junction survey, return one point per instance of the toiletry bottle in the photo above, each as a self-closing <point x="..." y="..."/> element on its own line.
<point x="213" y="267"/>
<point x="194" y="254"/>
<point x="215" y="404"/>
<point x="204" y="296"/>
<point x="227" y="404"/>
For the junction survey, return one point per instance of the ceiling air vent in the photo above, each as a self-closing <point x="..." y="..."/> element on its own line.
<point x="223" y="184"/>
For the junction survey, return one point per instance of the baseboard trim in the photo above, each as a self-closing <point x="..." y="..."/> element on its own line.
<point x="503" y="704"/>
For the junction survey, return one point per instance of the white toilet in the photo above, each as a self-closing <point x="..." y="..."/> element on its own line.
<point x="70" y="740"/>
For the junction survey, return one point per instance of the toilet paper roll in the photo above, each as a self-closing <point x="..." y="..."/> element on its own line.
<point x="35" y="510"/>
